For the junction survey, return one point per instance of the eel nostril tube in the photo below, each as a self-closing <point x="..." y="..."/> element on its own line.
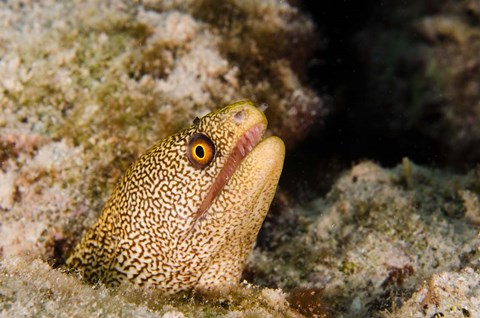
<point x="263" y="107"/>
<point x="239" y="116"/>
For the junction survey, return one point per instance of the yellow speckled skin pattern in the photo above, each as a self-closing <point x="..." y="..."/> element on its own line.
<point x="150" y="231"/>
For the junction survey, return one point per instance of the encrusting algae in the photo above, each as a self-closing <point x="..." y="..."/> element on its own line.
<point x="88" y="85"/>
<point x="187" y="212"/>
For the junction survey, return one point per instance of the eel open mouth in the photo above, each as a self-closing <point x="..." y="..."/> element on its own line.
<point x="244" y="146"/>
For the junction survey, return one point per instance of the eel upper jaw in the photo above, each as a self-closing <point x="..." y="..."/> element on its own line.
<point x="243" y="147"/>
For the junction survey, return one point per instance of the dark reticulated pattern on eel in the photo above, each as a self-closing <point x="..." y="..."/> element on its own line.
<point x="187" y="212"/>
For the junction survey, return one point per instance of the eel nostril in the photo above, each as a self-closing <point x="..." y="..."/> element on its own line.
<point x="239" y="116"/>
<point x="263" y="107"/>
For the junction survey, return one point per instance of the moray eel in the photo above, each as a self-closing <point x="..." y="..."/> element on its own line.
<point x="187" y="213"/>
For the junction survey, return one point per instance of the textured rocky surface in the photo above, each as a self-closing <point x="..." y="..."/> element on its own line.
<point x="446" y="294"/>
<point x="31" y="288"/>
<point x="87" y="86"/>
<point x="375" y="238"/>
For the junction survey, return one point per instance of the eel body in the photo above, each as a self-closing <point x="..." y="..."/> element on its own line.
<point x="187" y="213"/>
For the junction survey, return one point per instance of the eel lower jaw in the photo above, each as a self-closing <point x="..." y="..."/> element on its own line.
<point x="244" y="146"/>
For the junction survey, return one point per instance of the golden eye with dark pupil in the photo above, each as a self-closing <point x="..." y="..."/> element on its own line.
<point x="200" y="151"/>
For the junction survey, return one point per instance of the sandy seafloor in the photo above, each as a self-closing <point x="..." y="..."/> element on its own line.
<point x="86" y="86"/>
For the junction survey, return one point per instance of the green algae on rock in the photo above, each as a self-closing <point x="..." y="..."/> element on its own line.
<point x="29" y="287"/>
<point x="187" y="213"/>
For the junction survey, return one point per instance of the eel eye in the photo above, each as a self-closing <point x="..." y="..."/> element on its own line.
<point x="200" y="151"/>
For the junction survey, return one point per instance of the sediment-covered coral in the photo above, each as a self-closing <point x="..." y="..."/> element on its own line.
<point x="30" y="288"/>
<point x="377" y="235"/>
<point x="446" y="294"/>
<point x="86" y="86"/>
